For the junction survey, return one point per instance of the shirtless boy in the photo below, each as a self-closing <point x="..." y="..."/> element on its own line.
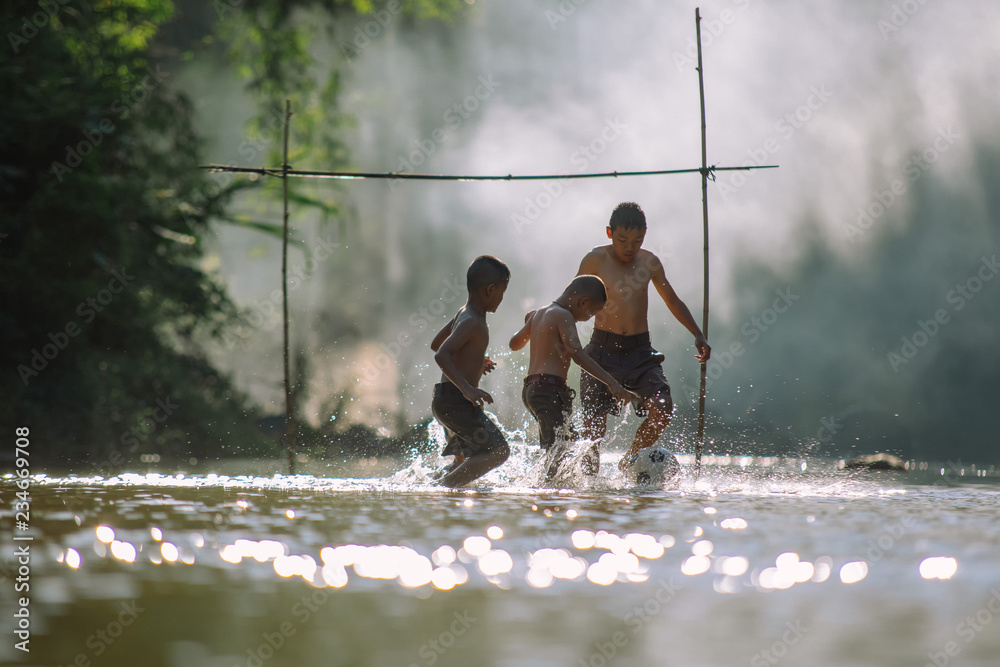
<point x="460" y="350"/>
<point x="620" y="342"/>
<point x="554" y="342"/>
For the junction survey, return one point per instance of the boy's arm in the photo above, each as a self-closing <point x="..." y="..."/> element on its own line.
<point x="678" y="309"/>
<point x="521" y="338"/>
<point x="445" y="357"/>
<point x="589" y="266"/>
<point x="570" y="338"/>
<point x="442" y="335"/>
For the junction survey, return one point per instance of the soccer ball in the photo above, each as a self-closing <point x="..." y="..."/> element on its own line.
<point x="653" y="466"/>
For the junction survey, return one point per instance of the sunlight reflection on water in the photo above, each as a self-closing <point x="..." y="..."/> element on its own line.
<point x="739" y="532"/>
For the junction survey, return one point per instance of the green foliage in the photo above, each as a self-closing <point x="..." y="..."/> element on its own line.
<point x="104" y="215"/>
<point x="283" y="51"/>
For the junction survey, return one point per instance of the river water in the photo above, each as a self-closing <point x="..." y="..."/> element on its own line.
<point x="752" y="562"/>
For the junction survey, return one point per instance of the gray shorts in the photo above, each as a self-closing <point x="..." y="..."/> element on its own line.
<point x="634" y="363"/>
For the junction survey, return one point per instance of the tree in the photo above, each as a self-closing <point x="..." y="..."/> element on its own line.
<point x="103" y="294"/>
<point x="104" y="210"/>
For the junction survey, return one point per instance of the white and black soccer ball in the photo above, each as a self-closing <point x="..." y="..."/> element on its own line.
<point x="653" y="466"/>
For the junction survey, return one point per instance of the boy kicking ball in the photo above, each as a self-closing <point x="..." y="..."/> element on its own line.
<point x="620" y="343"/>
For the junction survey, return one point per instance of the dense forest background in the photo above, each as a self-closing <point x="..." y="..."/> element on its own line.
<point x="108" y="304"/>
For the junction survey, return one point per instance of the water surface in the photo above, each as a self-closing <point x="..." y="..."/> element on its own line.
<point x="755" y="562"/>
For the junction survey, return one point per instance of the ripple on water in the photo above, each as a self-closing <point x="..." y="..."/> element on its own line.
<point x="811" y="541"/>
<point x="301" y="527"/>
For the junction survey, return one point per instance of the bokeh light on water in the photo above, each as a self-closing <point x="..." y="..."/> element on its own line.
<point x="219" y="563"/>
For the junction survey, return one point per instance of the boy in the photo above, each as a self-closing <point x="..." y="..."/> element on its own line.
<point x="620" y="343"/>
<point x="460" y="350"/>
<point x="554" y="341"/>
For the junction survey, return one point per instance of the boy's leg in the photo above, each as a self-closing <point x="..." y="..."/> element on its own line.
<point x="657" y="420"/>
<point x="475" y="466"/>
<point x="489" y="450"/>
<point x="453" y="443"/>
<point x="438" y="474"/>
<point x="595" y="425"/>
<point x="597" y="400"/>
<point x="651" y="384"/>
<point x="568" y="434"/>
<point x="552" y="407"/>
<point x="544" y="406"/>
<point x="595" y="420"/>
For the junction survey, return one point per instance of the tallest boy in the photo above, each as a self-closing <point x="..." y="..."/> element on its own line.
<point x="620" y="343"/>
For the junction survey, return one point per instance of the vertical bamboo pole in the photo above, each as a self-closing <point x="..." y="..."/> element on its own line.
<point x="289" y="424"/>
<point x="704" y="211"/>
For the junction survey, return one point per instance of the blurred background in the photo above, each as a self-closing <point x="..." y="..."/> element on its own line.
<point x="853" y="291"/>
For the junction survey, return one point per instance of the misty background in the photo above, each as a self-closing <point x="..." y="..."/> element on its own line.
<point x="848" y="99"/>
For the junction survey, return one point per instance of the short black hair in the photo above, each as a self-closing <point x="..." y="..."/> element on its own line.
<point x="627" y="215"/>
<point x="589" y="286"/>
<point x="486" y="270"/>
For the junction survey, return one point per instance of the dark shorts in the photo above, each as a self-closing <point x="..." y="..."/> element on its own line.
<point x="634" y="363"/>
<point x="468" y="429"/>
<point x="550" y="400"/>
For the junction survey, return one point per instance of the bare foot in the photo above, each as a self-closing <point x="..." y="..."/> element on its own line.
<point x="438" y="474"/>
<point x="556" y="455"/>
<point x="626" y="461"/>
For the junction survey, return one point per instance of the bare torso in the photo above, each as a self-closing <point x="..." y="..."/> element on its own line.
<point x="470" y="357"/>
<point x="548" y="353"/>
<point x="628" y="289"/>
